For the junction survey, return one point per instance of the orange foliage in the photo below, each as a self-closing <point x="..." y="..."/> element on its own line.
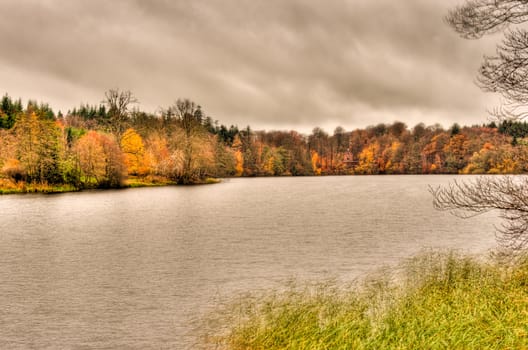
<point x="100" y="160"/>
<point x="133" y="148"/>
<point x="316" y="163"/>
<point x="239" y="163"/>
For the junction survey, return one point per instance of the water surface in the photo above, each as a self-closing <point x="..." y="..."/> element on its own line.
<point x="132" y="268"/>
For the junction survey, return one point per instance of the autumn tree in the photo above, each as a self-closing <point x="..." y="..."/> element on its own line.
<point x="9" y="164"/>
<point x="249" y="152"/>
<point x="369" y="160"/>
<point x="392" y="158"/>
<point x="456" y="153"/>
<point x="134" y="153"/>
<point x="433" y="153"/>
<point x="225" y="161"/>
<point x="319" y="146"/>
<point x="100" y="160"/>
<point x="239" y="157"/>
<point x="158" y="154"/>
<point x="38" y="148"/>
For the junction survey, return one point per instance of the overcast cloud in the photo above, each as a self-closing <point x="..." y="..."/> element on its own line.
<point x="272" y="64"/>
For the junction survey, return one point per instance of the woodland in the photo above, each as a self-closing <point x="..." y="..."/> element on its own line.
<point x="115" y="144"/>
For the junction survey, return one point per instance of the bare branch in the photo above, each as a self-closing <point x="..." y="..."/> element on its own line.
<point x="506" y="72"/>
<point x="506" y="194"/>
<point x="509" y="111"/>
<point x="480" y="17"/>
<point x="118" y="103"/>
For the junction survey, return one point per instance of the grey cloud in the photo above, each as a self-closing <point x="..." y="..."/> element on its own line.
<point x="267" y="63"/>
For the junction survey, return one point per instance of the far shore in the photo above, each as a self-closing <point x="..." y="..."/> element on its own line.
<point x="12" y="187"/>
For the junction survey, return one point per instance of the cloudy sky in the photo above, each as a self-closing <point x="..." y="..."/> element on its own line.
<point x="272" y="64"/>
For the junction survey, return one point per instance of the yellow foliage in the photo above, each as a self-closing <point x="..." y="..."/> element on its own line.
<point x="91" y="155"/>
<point x="12" y="163"/>
<point x="395" y="146"/>
<point x="507" y="166"/>
<point x="237" y="143"/>
<point x="157" y="153"/>
<point x="368" y="162"/>
<point x="316" y="163"/>
<point x="13" y="169"/>
<point x="239" y="167"/>
<point x="134" y="152"/>
<point x="268" y="167"/>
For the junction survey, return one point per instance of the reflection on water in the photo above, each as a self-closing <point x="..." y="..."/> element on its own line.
<point x="132" y="268"/>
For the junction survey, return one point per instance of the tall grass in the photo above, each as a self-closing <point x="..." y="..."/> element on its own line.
<point x="10" y="187"/>
<point x="432" y="301"/>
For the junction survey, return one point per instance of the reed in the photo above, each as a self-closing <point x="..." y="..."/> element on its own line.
<point x="436" y="300"/>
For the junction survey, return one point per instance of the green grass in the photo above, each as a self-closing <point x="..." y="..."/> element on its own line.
<point x="433" y="301"/>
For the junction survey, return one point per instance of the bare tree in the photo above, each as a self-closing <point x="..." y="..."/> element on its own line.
<point x="118" y="104"/>
<point x="505" y="73"/>
<point x="190" y="117"/>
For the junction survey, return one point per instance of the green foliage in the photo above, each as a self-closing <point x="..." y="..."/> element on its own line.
<point x="71" y="172"/>
<point x="89" y="112"/>
<point x="9" y="111"/>
<point x="515" y="129"/>
<point x="455" y="129"/>
<point x="226" y="135"/>
<point x="42" y="110"/>
<point x="433" y="301"/>
<point x="73" y="134"/>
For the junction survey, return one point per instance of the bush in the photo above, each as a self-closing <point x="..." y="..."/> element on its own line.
<point x="14" y="170"/>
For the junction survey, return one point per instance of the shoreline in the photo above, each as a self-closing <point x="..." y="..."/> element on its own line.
<point x="8" y="187"/>
<point x="23" y="188"/>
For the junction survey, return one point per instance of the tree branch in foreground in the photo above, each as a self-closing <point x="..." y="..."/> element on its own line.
<point x="480" y="17"/>
<point x="507" y="194"/>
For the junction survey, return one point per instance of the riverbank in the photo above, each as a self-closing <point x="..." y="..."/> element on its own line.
<point x="432" y="301"/>
<point x="11" y="187"/>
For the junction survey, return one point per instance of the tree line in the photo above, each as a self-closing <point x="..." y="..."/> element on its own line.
<point x="103" y="145"/>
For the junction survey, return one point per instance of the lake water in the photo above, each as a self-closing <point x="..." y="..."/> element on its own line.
<point x="133" y="268"/>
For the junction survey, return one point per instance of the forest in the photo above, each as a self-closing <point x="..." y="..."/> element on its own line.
<point x="115" y="144"/>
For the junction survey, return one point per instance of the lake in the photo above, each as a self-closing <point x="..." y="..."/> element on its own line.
<point x="134" y="268"/>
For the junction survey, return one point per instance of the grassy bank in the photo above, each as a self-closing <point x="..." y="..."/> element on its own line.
<point x="11" y="187"/>
<point x="433" y="301"/>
